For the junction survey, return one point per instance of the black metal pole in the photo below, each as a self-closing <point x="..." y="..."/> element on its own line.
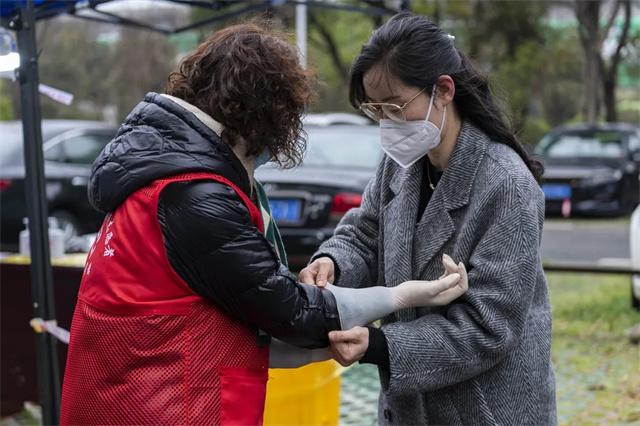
<point x="589" y="268"/>
<point x="41" y="277"/>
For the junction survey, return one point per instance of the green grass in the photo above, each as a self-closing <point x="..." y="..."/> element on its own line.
<point x="597" y="368"/>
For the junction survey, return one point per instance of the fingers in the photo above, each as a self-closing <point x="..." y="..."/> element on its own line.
<point x="353" y="334"/>
<point x="336" y="355"/>
<point x="348" y="346"/>
<point x="319" y="272"/>
<point x="340" y="346"/>
<point x="450" y="266"/>
<point x="338" y="351"/>
<point x="448" y="296"/>
<point x="324" y="270"/>
<point x="308" y="275"/>
<point x="445" y="283"/>
<point x="444" y="290"/>
<point x="464" y="278"/>
<point x="339" y="336"/>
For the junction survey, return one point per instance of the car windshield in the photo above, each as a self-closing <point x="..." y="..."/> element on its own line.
<point x="11" y="141"/>
<point x="606" y="145"/>
<point x="342" y="147"/>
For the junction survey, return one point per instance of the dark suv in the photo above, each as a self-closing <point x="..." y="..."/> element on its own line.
<point x="591" y="169"/>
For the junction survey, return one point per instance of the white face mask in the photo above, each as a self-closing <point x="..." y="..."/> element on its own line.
<point x="407" y="142"/>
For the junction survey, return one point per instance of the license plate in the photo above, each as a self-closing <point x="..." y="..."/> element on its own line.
<point x="554" y="191"/>
<point x="286" y="210"/>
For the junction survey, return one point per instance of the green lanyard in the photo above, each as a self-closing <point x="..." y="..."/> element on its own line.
<point x="272" y="235"/>
<point x="271" y="232"/>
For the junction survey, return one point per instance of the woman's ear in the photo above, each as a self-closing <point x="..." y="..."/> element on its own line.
<point x="446" y="90"/>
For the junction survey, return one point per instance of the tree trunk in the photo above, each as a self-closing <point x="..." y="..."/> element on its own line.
<point x="610" y="75"/>
<point x="609" y="86"/>
<point x="588" y="15"/>
<point x="592" y="85"/>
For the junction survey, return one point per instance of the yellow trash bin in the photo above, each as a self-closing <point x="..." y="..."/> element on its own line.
<point x="309" y="395"/>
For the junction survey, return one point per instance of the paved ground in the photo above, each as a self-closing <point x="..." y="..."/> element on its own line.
<point x="596" y="241"/>
<point x="359" y="396"/>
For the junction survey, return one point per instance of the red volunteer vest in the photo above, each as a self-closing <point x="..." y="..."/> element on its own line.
<point x="145" y="349"/>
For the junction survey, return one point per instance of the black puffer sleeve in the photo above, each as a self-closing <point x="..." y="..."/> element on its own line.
<point x="213" y="245"/>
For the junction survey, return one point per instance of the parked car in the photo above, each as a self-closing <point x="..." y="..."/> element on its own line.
<point x="591" y="169"/>
<point x="70" y="147"/>
<point x="307" y="202"/>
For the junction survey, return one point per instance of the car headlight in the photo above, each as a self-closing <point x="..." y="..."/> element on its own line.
<point x="603" y="177"/>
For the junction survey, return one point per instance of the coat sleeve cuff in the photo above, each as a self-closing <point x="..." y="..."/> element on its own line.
<point x="378" y="352"/>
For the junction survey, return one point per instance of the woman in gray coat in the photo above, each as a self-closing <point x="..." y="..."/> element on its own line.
<point x="455" y="180"/>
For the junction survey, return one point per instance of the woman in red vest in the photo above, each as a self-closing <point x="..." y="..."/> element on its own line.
<point x="188" y="266"/>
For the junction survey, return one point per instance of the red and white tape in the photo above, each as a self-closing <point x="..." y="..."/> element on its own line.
<point x="41" y="326"/>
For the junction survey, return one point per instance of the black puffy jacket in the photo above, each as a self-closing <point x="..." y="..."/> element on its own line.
<point x="208" y="234"/>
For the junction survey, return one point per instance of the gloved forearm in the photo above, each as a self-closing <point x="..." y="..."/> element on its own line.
<point x="361" y="306"/>
<point x="358" y="307"/>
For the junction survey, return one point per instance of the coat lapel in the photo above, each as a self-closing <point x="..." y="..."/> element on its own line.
<point x="437" y="226"/>
<point x="399" y="226"/>
<point x="399" y="218"/>
<point x="432" y="232"/>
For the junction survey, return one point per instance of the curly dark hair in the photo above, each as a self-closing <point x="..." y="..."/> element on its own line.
<point x="250" y="79"/>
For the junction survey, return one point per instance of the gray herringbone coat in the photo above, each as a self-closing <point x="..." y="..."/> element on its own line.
<point x="485" y="358"/>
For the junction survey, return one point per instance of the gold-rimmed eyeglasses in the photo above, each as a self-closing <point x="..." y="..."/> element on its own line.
<point x="377" y="111"/>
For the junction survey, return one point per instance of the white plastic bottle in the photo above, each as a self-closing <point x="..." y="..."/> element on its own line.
<point x="56" y="239"/>
<point x="24" y="239"/>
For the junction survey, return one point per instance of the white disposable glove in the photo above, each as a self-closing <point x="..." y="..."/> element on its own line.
<point x="451" y="285"/>
<point x="359" y="307"/>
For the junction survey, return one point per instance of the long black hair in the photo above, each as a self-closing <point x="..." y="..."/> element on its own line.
<point x="415" y="50"/>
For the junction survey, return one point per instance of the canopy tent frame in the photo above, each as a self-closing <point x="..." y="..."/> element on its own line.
<point x="41" y="275"/>
<point x="21" y="16"/>
<point x="228" y="9"/>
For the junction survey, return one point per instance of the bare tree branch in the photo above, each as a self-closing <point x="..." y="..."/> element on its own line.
<point x="610" y="21"/>
<point x="331" y="46"/>
<point x="377" y="19"/>
<point x="588" y="16"/>
<point x="610" y="73"/>
<point x="313" y="41"/>
<point x="624" y="37"/>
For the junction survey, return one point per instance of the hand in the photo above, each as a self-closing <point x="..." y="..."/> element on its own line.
<point x="319" y="272"/>
<point x="450" y="266"/>
<point x="448" y="287"/>
<point x="349" y="346"/>
<point x="453" y="293"/>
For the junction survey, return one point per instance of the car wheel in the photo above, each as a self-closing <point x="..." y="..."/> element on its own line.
<point x="69" y="224"/>
<point x="635" y="302"/>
